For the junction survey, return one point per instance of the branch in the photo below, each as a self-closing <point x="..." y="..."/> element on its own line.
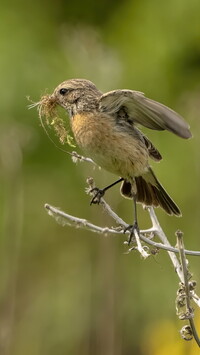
<point x="72" y="221"/>
<point x="186" y="290"/>
<point x="161" y="235"/>
<point x="64" y="219"/>
<point x="186" y="294"/>
<point x="77" y="157"/>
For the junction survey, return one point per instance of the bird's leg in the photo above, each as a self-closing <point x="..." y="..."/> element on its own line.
<point x="133" y="227"/>
<point x="100" y="192"/>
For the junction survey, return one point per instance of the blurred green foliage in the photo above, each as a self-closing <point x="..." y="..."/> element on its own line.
<point x="63" y="290"/>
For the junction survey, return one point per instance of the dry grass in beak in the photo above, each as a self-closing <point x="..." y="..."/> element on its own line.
<point x="48" y="108"/>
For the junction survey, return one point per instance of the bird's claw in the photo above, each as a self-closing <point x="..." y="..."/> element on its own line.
<point x="132" y="228"/>
<point x="97" y="197"/>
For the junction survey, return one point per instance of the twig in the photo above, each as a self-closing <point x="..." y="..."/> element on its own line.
<point x="189" y="314"/>
<point x="183" y="294"/>
<point x="77" y="157"/>
<point x="72" y="221"/>
<point x="161" y="235"/>
<point x="140" y="248"/>
<point x="104" y="204"/>
<point x="67" y="219"/>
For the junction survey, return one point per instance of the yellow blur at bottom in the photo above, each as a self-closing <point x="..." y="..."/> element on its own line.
<point x="164" y="339"/>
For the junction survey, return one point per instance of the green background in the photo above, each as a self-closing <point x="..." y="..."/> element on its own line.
<point x="64" y="290"/>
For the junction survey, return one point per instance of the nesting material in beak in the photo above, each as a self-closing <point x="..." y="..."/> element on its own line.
<point x="48" y="109"/>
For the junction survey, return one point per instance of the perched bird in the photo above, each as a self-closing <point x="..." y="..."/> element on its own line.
<point x="105" y="127"/>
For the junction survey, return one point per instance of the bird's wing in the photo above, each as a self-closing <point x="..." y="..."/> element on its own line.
<point x="144" y="111"/>
<point x="153" y="151"/>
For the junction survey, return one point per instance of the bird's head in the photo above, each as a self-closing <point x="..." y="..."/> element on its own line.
<point x="76" y="95"/>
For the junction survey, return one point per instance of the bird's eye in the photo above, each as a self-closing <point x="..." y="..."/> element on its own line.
<point x="63" y="91"/>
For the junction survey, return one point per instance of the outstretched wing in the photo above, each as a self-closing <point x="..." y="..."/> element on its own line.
<point x="144" y="111"/>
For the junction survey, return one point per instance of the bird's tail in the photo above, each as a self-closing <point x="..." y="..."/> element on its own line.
<point x="151" y="193"/>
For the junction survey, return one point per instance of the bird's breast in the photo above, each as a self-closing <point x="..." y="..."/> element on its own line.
<point x="108" y="145"/>
<point x="86" y="130"/>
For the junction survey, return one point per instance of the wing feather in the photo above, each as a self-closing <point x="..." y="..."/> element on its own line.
<point x="144" y="111"/>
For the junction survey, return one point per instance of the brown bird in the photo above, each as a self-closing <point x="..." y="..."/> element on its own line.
<point x="105" y="127"/>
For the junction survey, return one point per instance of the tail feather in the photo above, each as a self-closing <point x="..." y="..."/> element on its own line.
<point x="145" y="192"/>
<point x="151" y="193"/>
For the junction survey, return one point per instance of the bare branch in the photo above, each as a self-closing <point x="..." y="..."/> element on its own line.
<point x="72" y="221"/>
<point x="64" y="218"/>
<point x="77" y="157"/>
<point x="161" y="235"/>
<point x="186" y="292"/>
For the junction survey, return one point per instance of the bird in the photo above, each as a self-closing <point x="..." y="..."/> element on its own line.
<point x="105" y="127"/>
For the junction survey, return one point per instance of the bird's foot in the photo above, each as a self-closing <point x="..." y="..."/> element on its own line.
<point x="132" y="228"/>
<point x="98" y="195"/>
